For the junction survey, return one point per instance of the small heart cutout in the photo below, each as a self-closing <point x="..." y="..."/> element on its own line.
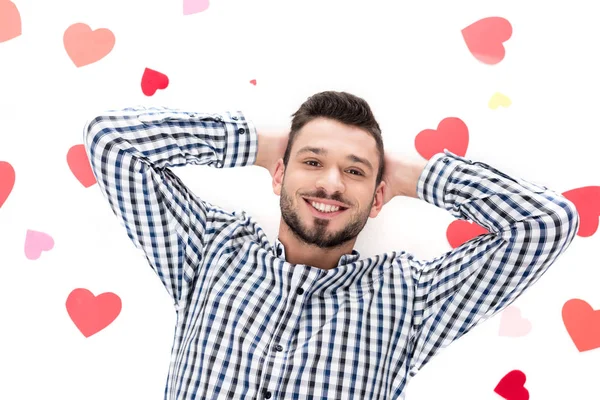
<point x="253" y="81"/>
<point x="79" y="164"/>
<point x="582" y="323"/>
<point x="461" y="231"/>
<point x="7" y="181"/>
<point x="497" y="100"/>
<point x="451" y="134"/>
<point x="36" y="242"/>
<point x="152" y="81"/>
<point x="485" y="39"/>
<point x="85" y="46"/>
<point x="90" y="313"/>
<point x="587" y="202"/>
<point x="513" y="324"/>
<point x="10" y="21"/>
<point x="194" y="6"/>
<point x="512" y="386"/>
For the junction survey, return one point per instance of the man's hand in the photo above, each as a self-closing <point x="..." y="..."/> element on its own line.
<point x="271" y="147"/>
<point x="401" y="175"/>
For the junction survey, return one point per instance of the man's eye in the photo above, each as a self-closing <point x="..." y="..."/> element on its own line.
<point x="358" y="173"/>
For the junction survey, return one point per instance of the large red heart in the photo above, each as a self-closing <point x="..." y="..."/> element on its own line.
<point x="451" y="134"/>
<point x="90" y="313"/>
<point x="512" y="386"/>
<point x="10" y="21"/>
<point x="85" y="46"/>
<point x="79" y="164"/>
<point x="153" y="80"/>
<point x="7" y="180"/>
<point x="582" y="323"/>
<point x="461" y="231"/>
<point x="484" y="39"/>
<point x="587" y="202"/>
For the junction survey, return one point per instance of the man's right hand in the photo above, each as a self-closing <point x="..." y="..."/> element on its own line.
<point x="271" y="147"/>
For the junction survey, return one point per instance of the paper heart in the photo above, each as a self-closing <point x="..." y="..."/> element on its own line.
<point x="587" y="202"/>
<point x="582" y="323"/>
<point x="79" y="164"/>
<point x="10" y="21"/>
<point x="36" y="242"/>
<point x="485" y="39"/>
<point x="451" y="134"/>
<point x="90" y="313"/>
<point x="498" y="99"/>
<point x="253" y="81"/>
<point x="461" y="231"/>
<point x="7" y="181"/>
<point x="512" y="324"/>
<point x="512" y="386"/>
<point x="194" y="6"/>
<point x="85" y="46"/>
<point x="153" y="80"/>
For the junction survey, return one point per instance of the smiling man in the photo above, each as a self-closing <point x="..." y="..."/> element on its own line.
<point x="305" y="316"/>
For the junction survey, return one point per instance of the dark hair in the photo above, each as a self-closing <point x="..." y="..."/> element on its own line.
<point x="342" y="107"/>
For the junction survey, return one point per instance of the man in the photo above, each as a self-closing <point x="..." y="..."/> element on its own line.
<point x="306" y="317"/>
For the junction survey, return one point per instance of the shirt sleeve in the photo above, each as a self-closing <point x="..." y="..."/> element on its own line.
<point x="529" y="225"/>
<point x="131" y="152"/>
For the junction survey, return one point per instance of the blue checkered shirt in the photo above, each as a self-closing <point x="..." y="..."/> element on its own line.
<point x="251" y="325"/>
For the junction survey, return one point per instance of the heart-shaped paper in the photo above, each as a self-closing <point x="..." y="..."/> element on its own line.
<point x="85" y="46"/>
<point x="582" y="323"/>
<point x="451" y="134"/>
<point x="79" y="164"/>
<point x="512" y="386"/>
<point x="461" y="231"/>
<point x="485" y="39"/>
<point x="90" y="313"/>
<point x="497" y="100"/>
<point x="194" y="6"/>
<point x="36" y="242"/>
<point x="10" y="21"/>
<point x="253" y="81"/>
<point x="587" y="202"/>
<point x="153" y="80"/>
<point x="513" y="324"/>
<point x="7" y="181"/>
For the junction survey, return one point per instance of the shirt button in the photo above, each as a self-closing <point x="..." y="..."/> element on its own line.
<point x="278" y="252"/>
<point x="219" y="119"/>
<point x="445" y="161"/>
<point x="234" y="118"/>
<point x="267" y="395"/>
<point x="241" y="131"/>
<point x="299" y="291"/>
<point x="278" y="348"/>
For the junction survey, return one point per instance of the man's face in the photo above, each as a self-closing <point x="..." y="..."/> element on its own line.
<point x="329" y="173"/>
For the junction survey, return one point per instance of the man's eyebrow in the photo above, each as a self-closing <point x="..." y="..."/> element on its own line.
<point x="322" y="151"/>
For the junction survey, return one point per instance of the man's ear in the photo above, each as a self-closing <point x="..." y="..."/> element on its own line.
<point x="378" y="202"/>
<point x="278" y="177"/>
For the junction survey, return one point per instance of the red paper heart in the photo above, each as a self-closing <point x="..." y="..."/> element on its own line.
<point x="587" y="202"/>
<point x="485" y="39"/>
<point x="582" y="323"/>
<point x="451" y="134"/>
<point x="152" y="81"/>
<point x="90" y="313"/>
<point x="80" y="165"/>
<point x="7" y="180"/>
<point x="512" y="386"/>
<point x="253" y="81"/>
<point x="85" y="46"/>
<point x="461" y="231"/>
<point x="10" y="21"/>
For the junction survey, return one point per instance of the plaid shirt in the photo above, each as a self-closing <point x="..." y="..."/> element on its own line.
<point x="252" y="326"/>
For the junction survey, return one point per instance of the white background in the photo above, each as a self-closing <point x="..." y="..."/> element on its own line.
<point x="407" y="59"/>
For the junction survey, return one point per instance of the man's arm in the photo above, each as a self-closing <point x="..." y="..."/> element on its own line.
<point x="131" y="152"/>
<point x="530" y="226"/>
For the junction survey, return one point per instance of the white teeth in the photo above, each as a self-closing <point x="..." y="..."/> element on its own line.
<point x="324" y="207"/>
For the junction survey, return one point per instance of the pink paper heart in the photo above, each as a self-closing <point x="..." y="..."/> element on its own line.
<point x="512" y="324"/>
<point x="194" y="6"/>
<point x="36" y="242"/>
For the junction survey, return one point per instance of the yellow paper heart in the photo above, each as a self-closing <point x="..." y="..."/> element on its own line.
<point x="498" y="99"/>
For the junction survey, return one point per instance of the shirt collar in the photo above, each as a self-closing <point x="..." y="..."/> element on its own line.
<point x="347" y="258"/>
